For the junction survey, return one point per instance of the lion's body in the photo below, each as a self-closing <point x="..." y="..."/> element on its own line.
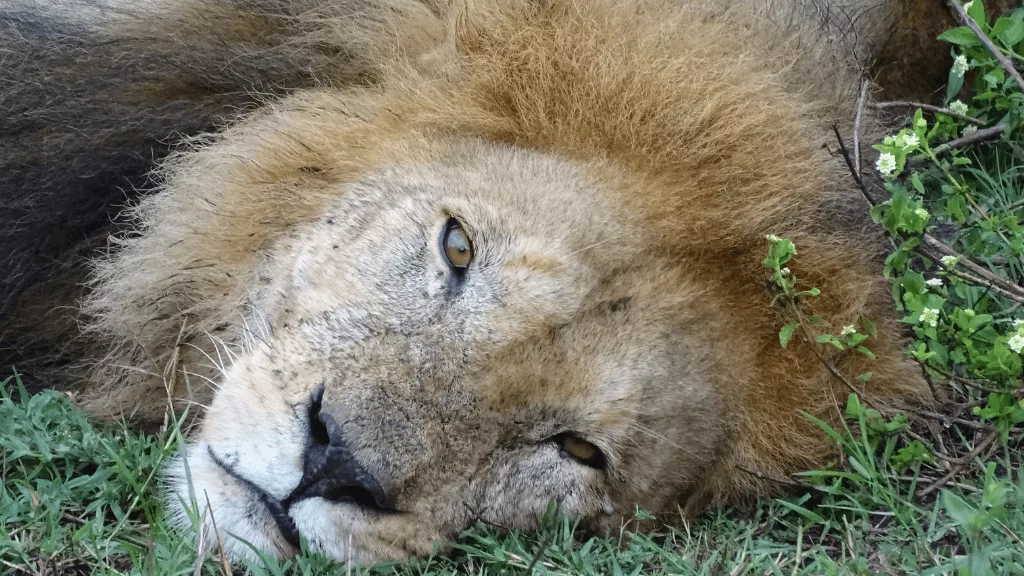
<point x="630" y="159"/>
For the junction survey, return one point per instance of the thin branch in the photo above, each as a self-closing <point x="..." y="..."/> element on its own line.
<point x="797" y="314"/>
<point x="968" y="382"/>
<point x="985" y="278"/>
<point x="856" y="123"/>
<point x="947" y="420"/>
<point x="965" y="20"/>
<point x="1015" y="205"/>
<point x="853" y="168"/>
<point x="477" y="516"/>
<point x="923" y="106"/>
<point x="938" y="453"/>
<point x="780" y="481"/>
<point x="981" y="446"/>
<point x="981" y="135"/>
<point x="857" y="177"/>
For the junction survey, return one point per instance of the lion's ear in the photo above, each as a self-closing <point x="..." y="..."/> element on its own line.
<point x="93" y="94"/>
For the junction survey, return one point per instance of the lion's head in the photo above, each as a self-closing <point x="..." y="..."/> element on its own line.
<point x="469" y="338"/>
<point x="531" y="275"/>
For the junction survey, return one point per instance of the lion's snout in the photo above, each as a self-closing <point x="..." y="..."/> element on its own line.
<point x="329" y="468"/>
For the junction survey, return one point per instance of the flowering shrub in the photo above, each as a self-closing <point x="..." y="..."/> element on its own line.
<point x="954" y="178"/>
<point x="955" y="212"/>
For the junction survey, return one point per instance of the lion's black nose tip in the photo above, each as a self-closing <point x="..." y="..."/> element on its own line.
<point x="330" y="471"/>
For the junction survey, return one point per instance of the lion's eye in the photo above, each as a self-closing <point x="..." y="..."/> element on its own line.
<point x="458" y="250"/>
<point x="583" y="451"/>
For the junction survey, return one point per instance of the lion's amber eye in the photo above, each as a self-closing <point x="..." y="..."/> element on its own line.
<point x="456" y="245"/>
<point x="581" y="450"/>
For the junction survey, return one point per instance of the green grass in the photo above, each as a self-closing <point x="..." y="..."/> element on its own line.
<point x="80" y="498"/>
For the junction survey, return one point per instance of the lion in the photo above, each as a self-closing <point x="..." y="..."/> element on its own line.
<point x="414" y="265"/>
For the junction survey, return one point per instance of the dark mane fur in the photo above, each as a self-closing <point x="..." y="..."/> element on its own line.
<point x="93" y="93"/>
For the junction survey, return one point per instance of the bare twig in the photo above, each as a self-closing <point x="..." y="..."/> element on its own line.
<point x="964" y="487"/>
<point x="829" y="365"/>
<point x="978" y="449"/>
<point x="1015" y="205"/>
<point x="978" y="136"/>
<point x="478" y="517"/>
<point x="17" y="568"/>
<point x="948" y="419"/>
<point x="923" y="106"/>
<point x="981" y="282"/>
<point x="780" y="481"/>
<point x="857" y="177"/>
<point x="856" y="123"/>
<point x="937" y="451"/>
<point x="961" y="16"/>
<point x="985" y="278"/>
<point x="853" y="168"/>
<point x="970" y="383"/>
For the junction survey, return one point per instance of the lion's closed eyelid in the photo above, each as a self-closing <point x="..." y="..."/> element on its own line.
<point x="582" y="451"/>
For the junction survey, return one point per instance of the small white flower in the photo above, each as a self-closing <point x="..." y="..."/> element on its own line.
<point x="930" y="316"/>
<point x="969" y="129"/>
<point x="958" y="107"/>
<point x="785" y="271"/>
<point x="934" y="281"/>
<point x="1016" y="343"/>
<point x="910" y="141"/>
<point x="847" y="330"/>
<point x="772" y="238"/>
<point x="922" y="213"/>
<point x="949" y="261"/>
<point x="886" y="164"/>
<point x="960" y="66"/>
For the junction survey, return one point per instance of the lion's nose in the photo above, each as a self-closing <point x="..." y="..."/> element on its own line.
<point x="330" y="471"/>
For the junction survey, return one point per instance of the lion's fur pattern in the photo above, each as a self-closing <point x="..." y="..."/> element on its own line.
<point x="691" y="132"/>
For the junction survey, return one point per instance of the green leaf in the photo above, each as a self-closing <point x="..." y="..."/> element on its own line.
<point x="915" y="180"/>
<point x="829" y="339"/>
<point x="956" y="207"/>
<point x="812" y="516"/>
<point x="961" y="36"/>
<point x="961" y="512"/>
<point x="913" y="282"/>
<point x="976" y="10"/>
<point x="953" y="84"/>
<point x="786" y="334"/>
<point x="869" y="327"/>
<point x="1012" y="34"/>
<point x="854" y="409"/>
